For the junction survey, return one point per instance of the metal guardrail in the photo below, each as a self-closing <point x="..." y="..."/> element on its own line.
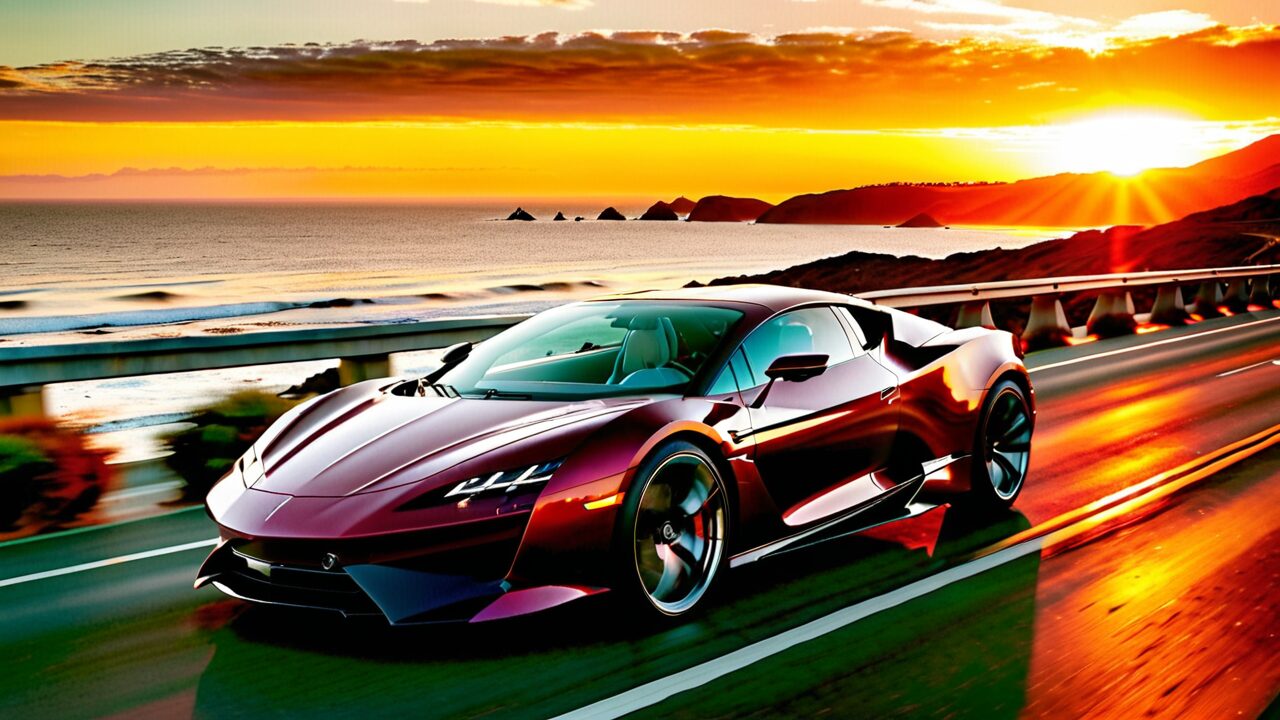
<point x="37" y="365"/>
<point x="1114" y="312"/>
<point x="364" y="349"/>
<point x="1004" y="289"/>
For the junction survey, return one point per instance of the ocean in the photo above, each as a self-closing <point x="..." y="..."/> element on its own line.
<point x="79" y="272"/>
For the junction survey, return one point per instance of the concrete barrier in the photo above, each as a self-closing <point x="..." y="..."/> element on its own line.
<point x="1047" y="326"/>
<point x="1236" y="299"/>
<point x="1114" y="311"/>
<point x="1112" y="314"/>
<point x="1208" y="300"/>
<point x="975" y="314"/>
<point x="1260" y="291"/>
<point x="1169" y="307"/>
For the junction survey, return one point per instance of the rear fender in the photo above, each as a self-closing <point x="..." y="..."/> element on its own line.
<point x="942" y="398"/>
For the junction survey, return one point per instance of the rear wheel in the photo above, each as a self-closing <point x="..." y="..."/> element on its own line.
<point x="673" y="530"/>
<point x="1002" y="452"/>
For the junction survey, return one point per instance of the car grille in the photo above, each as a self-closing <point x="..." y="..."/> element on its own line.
<point x="483" y="549"/>
<point x="256" y="580"/>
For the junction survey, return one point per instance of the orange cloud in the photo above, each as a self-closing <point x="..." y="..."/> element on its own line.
<point x="816" y="79"/>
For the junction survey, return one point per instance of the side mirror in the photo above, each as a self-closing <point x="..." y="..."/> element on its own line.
<point x="792" y="368"/>
<point x="455" y="354"/>
<point x="452" y="356"/>
<point x="797" y="368"/>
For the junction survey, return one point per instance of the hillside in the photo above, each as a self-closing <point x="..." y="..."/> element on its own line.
<point x="1067" y="200"/>
<point x="1214" y="238"/>
<point x="721" y="208"/>
<point x="660" y="211"/>
<point x="922" y="220"/>
<point x="682" y="205"/>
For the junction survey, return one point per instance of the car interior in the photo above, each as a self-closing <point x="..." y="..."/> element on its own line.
<point x="636" y="349"/>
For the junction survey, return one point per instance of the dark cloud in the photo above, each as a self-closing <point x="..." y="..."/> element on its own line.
<point x="815" y="79"/>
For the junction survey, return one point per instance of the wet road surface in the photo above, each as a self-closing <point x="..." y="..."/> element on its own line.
<point x="1172" y="610"/>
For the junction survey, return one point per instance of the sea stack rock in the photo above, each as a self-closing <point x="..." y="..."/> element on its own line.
<point x="721" y="208"/>
<point x="682" y="205"/>
<point x="611" y="213"/>
<point x="559" y="217"/>
<point x="660" y="211"/>
<point x="923" y="220"/>
<point x="520" y="214"/>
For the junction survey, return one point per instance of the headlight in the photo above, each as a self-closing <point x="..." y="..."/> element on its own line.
<point x="503" y="481"/>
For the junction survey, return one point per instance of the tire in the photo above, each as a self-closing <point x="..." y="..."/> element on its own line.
<point x="671" y="542"/>
<point x="1002" y="448"/>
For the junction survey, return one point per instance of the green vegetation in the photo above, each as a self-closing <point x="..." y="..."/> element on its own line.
<point x="221" y="434"/>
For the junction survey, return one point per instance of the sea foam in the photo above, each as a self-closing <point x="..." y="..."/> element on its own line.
<point x="158" y="316"/>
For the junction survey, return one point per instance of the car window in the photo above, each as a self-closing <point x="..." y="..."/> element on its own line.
<point x="728" y="381"/>
<point x="874" y="324"/>
<point x="860" y="337"/>
<point x="594" y="350"/>
<point x="811" y="330"/>
<point x="571" y="337"/>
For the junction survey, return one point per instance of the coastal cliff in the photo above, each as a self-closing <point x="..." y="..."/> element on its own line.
<point x="1234" y="234"/>
<point x="1066" y="200"/>
<point x="722" y="208"/>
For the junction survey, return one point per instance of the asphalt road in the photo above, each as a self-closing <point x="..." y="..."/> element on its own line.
<point x="1170" y="608"/>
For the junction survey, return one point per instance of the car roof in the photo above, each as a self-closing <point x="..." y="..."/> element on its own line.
<point x="774" y="297"/>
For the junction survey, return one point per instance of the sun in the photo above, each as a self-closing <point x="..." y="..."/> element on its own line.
<point x="1126" y="143"/>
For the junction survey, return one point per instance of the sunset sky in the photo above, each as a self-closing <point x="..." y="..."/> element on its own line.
<point x="546" y="98"/>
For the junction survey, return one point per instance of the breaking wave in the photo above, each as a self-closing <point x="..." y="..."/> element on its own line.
<point x="159" y="316"/>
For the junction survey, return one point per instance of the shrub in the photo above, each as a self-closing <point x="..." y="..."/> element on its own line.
<point x="203" y="453"/>
<point x="48" y="475"/>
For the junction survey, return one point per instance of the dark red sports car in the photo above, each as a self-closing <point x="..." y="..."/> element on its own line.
<point x="636" y="444"/>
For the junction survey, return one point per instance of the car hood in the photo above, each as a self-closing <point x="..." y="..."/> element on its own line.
<point x="350" y="442"/>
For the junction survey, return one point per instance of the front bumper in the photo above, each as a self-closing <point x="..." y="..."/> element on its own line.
<point x="447" y="575"/>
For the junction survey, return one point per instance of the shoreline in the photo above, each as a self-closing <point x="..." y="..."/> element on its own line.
<point x="74" y="305"/>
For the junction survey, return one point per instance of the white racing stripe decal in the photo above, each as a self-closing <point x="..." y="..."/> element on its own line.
<point x="1144" y="346"/>
<point x="108" y="562"/>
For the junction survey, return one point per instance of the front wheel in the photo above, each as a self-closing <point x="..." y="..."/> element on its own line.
<point x="673" y="530"/>
<point x="1002" y="450"/>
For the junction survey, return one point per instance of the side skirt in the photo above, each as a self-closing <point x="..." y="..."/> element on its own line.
<point x="863" y="517"/>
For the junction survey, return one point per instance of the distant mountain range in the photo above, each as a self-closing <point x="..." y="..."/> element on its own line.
<point x="1067" y="200"/>
<point x="1241" y="233"/>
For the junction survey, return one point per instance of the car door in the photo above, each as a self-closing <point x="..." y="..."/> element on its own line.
<point x="818" y="440"/>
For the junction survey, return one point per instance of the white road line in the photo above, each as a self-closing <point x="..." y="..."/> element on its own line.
<point x="1144" y="346"/>
<point x="655" y="692"/>
<point x="1247" y="367"/>
<point x="108" y="562"/>
<point x="149" y="489"/>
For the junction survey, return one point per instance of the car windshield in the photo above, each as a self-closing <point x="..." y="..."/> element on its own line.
<point x="595" y="349"/>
